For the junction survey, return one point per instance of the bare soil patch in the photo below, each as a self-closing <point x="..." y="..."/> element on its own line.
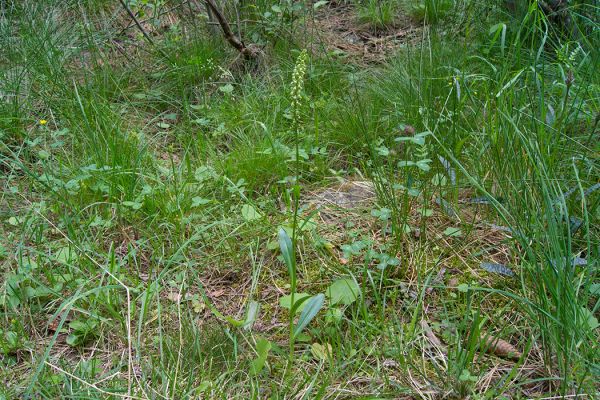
<point x="338" y="30"/>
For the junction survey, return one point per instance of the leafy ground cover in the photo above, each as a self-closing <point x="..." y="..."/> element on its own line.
<point x="387" y="200"/>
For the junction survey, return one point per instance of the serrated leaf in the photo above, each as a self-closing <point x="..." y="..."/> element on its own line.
<point x="344" y="291"/>
<point x="310" y="311"/>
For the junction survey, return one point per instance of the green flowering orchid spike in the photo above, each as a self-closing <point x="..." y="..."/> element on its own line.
<point x="298" y="87"/>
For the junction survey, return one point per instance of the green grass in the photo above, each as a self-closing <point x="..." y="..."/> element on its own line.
<point x="167" y="228"/>
<point x="378" y="14"/>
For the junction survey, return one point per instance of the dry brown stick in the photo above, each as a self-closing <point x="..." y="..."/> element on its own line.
<point x="141" y="28"/>
<point x="137" y="22"/>
<point x="150" y="18"/>
<point x="248" y="52"/>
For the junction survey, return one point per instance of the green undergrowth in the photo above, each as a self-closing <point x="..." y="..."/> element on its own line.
<point x="178" y="222"/>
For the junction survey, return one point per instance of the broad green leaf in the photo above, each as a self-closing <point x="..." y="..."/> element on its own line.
<point x="73" y="339"/>
<point x="227" y="89"/>
<point x="203" y="172"/>
<point x="308" y="224"/>
<point x="251" y="314"/>
<point x="299" y="304"/>
<point x="466" y="376"/>
<point x="201" y="121"/>
<point x="321" y="352"/>
<point x="249" y="213"/>
<point x="287" y="251"/>
<point x="204" y="385"/>
<point x="453" y="232"/>
<point x="334" y="315"/>
<point x="64" y="255"/>
<point x="589" y="319"/>
<point x="310" y="311"/>
<point x="426" y="212"/>
<point x="319" y="4"/>
<point x="263" y="346"/>
<point x="133" y="204"/>
<point x="463" y="287"/>
<point x="344" y="291"/>
<point x="235" y="322"/>
<point x="199" y="201"/>
<point x="286" y="301"/>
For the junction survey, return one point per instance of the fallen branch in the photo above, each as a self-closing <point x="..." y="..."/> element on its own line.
<point x="248" y="52"/>
<point x="141" y="28"/>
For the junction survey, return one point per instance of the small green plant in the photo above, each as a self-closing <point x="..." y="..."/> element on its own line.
<point x="12" y="339"/>
<point x="82" y="330"/>
<point x="431" y="11"/>
<point x="378" y="14"/>
<point x="297" y="300"/>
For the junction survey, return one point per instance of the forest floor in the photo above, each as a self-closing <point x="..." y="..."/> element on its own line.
<point x="393" y="200"/>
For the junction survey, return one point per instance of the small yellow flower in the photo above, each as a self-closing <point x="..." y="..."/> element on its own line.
<point x="43" y="122"/>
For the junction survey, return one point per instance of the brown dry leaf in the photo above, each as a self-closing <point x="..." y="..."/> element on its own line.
<point x="175" y="297"/>
<point x="453" y="282"/>
<point x="409" y="130"/>
<point x="53" y="325"/>
<point x="500" y="348"/>
<point x="430" y="335"/>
